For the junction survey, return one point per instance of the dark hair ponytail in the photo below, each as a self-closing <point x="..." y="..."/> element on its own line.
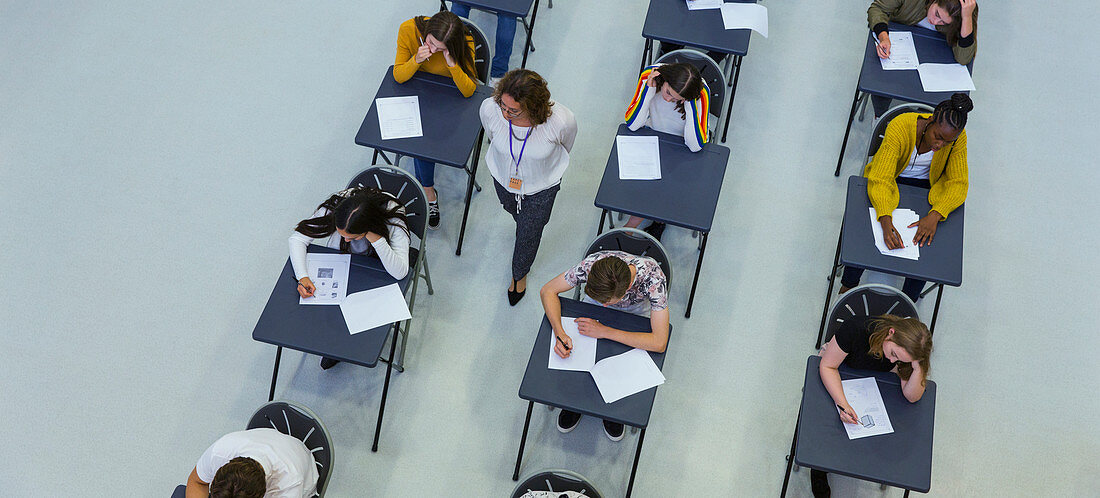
<point x="356" y="211"/>
<point x="952" y="112"/>
<point x="682" y="78"/>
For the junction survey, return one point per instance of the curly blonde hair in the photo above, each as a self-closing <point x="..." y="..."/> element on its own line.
<point x="530" y="90"/>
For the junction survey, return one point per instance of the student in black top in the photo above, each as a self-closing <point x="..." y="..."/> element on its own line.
<point x="884" y="343"/>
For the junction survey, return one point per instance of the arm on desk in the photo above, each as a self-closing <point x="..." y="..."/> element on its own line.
<point x="949" y="191"/>
<point x="882" y="171"/>
<point x="913" y="388"/>
<point x="195" y="487"/>
<point x="831" y="358"/>
<point x="551" y="305"/>
<point x="655" y="341"/>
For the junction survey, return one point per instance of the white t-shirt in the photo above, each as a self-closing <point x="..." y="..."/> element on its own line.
<point x="545" y="156"/>
<point x="919" y="165"/>
<point x="288" y="464"/>
<point x="664" y="117"/>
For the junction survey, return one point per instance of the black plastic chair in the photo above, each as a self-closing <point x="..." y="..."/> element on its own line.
<point x="880" y="129"/>
<point x="867" y="300"/>
<point x="556" y="481"/>
<point x="410" y="195"/>
<point x="633" y="241"/>
<point x="710" y="72"/>
<point x="180" y="492"/>
<point x="483" y="53"/>
<point x="298" y="421"/>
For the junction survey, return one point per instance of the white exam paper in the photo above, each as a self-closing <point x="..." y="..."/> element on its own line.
<point x="639" y="157"/>
<point x="901" y="218"/>
<point x="903" y="54"/>
<point x="399" y="117"/>
<point x="945" y="78"/>
<point x="745" y="16"/>
<point x="866" y="400"/>
<point x="704" y="4"/>
<point x="621" y="375"/>
<point x="581" y="357"/>
<point x="365" y="310"/>
<point x="329" y="274"/>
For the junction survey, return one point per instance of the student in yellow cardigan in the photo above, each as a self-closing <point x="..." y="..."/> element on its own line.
<point x="927" y="151"/>
<point x="956" y="20"/>
<point x="439" y="45"/>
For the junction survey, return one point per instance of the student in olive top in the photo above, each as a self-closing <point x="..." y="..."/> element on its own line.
<point x="957" y="20"/>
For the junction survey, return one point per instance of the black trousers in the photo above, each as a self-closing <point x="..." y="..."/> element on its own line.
<point x="531" y="214"/>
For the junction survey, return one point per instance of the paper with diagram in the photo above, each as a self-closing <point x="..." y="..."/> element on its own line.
<point x="864" y="397"/>
<point x="329" y="274"/>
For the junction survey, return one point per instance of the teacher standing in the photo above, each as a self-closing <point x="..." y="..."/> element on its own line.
<point x="530" y="138"/>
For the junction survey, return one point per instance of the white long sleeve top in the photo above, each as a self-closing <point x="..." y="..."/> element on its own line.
<point x="545" y="156"/>
<point x="393" y="250"/>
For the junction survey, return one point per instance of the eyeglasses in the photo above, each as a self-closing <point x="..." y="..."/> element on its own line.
<point x="512" y="113"/>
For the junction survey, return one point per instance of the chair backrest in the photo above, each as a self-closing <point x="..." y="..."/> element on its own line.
<point x="557" y="481"/>
<point x="636" y="242"/>
<point x="404" y="187"/>
<point x="708" y="69"/>
<point x="483" y="54"/>
<point x="180" y="492"/>
<point x="869" y="300"/>
<point x="880" y="129"/>
<point x="298" y="421"/>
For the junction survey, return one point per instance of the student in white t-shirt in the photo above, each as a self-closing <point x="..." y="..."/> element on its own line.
<point x="252" y="464"/>
<point x="530" y="137"/>
<point x="358" y="220"/>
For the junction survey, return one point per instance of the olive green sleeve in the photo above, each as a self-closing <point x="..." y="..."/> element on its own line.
<point x="880" y="12"/>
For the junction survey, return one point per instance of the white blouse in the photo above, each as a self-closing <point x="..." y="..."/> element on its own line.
<point x="543" y="159"/>
<point x="394" y="255"/>
<point x="919" y="165"/>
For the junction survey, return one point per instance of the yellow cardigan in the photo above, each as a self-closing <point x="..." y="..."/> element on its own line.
<point x="404" y="65"/>
<point x="947" y="174"/>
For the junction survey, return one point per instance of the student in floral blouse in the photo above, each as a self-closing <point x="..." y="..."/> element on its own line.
<point x="618" y="280"/>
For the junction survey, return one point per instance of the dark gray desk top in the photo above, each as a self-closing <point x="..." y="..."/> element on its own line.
<point x="940" y="262"/>
<point x="901" y="459"/>
<point x="671" y="21"/>
<point x="321" y="330"/>
<point x="685" y="196"/>
<point x="576" y="390"/>
<point x="905" y="84"/>
<point x="450" y="121"/>
<point x="518" y="8"/>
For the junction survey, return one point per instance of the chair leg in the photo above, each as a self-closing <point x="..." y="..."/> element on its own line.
<point x="427" y="275"/>
<point x="863" y="107"/>
<point x="400" y="366"/>
<point x="528" y="30"/>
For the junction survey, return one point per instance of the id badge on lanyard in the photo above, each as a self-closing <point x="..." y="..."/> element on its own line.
<point x="515" y="182"/>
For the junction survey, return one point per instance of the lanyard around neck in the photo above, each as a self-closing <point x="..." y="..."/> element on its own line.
<point x="511" y="134"/>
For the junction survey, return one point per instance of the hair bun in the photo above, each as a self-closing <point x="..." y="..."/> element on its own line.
<point x="961" y="102"/>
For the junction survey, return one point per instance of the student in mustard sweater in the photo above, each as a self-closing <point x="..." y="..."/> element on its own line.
<point x="927" y="151"/>
<point x="439" y="45"/>
<point x="957" y="20"/>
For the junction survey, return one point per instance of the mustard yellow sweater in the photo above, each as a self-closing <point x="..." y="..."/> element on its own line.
<point x="947" y="174"/>
<point x="404" y="65"/>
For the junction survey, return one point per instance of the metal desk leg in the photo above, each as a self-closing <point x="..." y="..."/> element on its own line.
<point x="844" y="144"/>
<point x="733" y="93"/>
<point x="275" y="374"/>
<point x="530" y="31"/>
<point x="645" y="54"/>
<point x="829" y="293"/>
<point x="469" y="192"/>
<point x="634" y="469"/>
<point x="523" y="440"/>
<point x="698" y="266"/>
<point x="790" y="456"/>
<point x="442" y="6"/>
<point x="385" y="387"/>
<point x="906" y="493"/>
<point x="935" y="311"/>
<point x="603" y="215"/>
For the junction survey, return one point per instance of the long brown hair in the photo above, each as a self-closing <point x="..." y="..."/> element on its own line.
<point x="452" y="33"/>
<point x="530" y="90"/>
<point x="954" y="9"/>
<point x="682" y="78"/>
<point x="909" y="334"/>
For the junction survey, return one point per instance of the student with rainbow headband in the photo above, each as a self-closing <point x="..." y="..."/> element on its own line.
<point x="670" y="98"/>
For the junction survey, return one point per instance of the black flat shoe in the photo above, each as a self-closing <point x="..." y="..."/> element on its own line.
<point x="655" y="229"/>
<point x="327" y="363"/>
<point x="513" y="296"/>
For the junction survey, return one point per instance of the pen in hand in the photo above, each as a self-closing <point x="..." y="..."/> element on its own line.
<point x="562" y="341"/>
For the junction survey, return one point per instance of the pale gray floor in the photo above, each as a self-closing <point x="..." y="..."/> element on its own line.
<point x="155" y="156"/>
